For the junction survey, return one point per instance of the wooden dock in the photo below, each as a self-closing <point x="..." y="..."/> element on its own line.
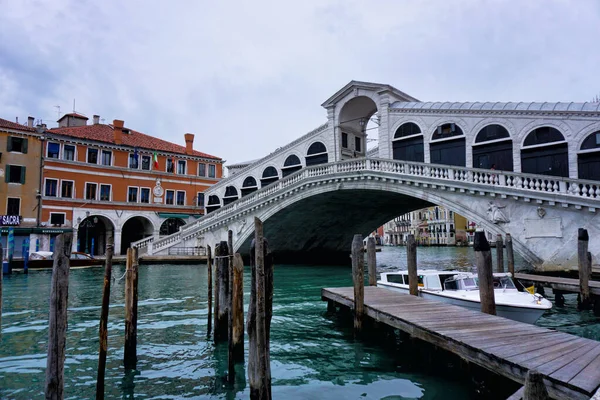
<point x="568" y="285"/>
<point x="571" y="364"/>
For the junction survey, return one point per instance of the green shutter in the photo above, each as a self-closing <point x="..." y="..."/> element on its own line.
<point x="9" y="144"/>
<point x="7" y="174"/>
<point x="24" y="146"/>
<point x="23" y="175"/>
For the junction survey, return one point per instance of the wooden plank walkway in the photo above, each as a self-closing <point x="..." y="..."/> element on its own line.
<point x="571" y="364"/>
<point x="568" y="285"/>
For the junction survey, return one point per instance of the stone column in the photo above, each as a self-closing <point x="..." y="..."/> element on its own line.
<point x="117" y="242"/>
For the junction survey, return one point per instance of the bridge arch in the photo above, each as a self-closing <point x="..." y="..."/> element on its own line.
<point x="231" y="195"/>
<point x="317" y="206"/>
<point x="493" y="147"/>
<point x="354" y="116"/>
<point x="407" y="143"/>
<point x="316" y="154"/>
<point x="214" y="203"/>
<point x="448" y="145"/>
<point x="269" y="175"/>
<point x="291" y="164"/>
<point x="249" y="185"/>
<point x="545" y="151"/>
<point x="588" y="157"/>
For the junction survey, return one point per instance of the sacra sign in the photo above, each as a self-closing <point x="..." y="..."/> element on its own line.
<point x="10" y="220"/>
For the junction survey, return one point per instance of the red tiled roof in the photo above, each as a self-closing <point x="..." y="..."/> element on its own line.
<point x="13" y="125"/>
<point x="73" y="114"/>
<point x="104" y="133"/>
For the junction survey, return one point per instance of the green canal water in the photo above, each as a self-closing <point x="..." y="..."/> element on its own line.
<point x="313" y="354"/>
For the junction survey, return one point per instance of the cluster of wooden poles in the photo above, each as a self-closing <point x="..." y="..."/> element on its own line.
<point x="228" y="312"/>
<point x="534" y="386"/>
<point x="229" y="308"/>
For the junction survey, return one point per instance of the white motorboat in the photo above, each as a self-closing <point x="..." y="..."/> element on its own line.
<point x="461" y="289"/>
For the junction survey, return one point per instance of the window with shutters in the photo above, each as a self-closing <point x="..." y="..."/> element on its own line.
<point x="145" y="195"/>
<point x="17" y="144"/>
<point x="66" y="189"/>
<point x="132" y="194"/>
<point x="169" y="197"/>
<point x="14" y="174"/>
<point x="146" y="163"/>
<point x="53" y="150"/>
<point x="107" y="157"/>
<point x="181" y="164"/>
<point x="201" y="169"/>
<point x="92" y="156"/>
<point x="181" y="198"/>
<point x="105" y="192"/>
<point x="90" y="191"/>
<point x="170" y="165"/>
<point x="51" y="188"/>
<point x="200" y="199"/>
<point x="13" y="206"/>
<point x="69" y="152"/>
<point x="212" y="170"/>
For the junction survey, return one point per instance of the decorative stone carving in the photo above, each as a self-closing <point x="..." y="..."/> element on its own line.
<point x="241" y="224"/>
<point x="541" y="212"/>
<point x="495" y="213"/>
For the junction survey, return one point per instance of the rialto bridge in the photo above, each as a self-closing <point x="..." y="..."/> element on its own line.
<point x="529" y="169"/>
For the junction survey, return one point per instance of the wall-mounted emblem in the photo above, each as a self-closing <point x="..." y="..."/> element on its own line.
<point x="541" y="212"/>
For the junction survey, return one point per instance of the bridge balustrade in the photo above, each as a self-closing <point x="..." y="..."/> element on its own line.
<point x="440" y="174"/>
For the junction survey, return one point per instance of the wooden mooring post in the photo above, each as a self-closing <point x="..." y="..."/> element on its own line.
<point x="535" y="389"/>
<point x="131" y="308"/>
<point x="210" y="289"/>
<point x="483" y="259"/>
<point x="222" y="292"/>
<point x="372" y="261"/>
<point x="231" y="362"/>
<point x="103" y="330"/>
<point x="57" y="320"/>
<point x="585" y="270"/>
<point x="510" y="256"/>
<point x="358" y="278"/>
<point x="411" y="262"/>
<point x="236" y="343"/>
<point x="499" y="253"/>
<point x="260" y="311"/>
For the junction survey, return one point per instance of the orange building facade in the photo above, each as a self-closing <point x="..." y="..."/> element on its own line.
<point x="101" y="179"/>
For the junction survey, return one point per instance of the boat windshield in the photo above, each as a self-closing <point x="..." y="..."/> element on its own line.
<point x="501" y="282"/>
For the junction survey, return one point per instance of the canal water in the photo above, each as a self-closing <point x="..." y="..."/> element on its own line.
<point x="313" y="354"/>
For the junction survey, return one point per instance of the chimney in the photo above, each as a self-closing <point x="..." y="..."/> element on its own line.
<point x="118" y="131"/>
<point x="96" y="119"/>
<point x="189" y="143"/>
<point x="30" y="121"/>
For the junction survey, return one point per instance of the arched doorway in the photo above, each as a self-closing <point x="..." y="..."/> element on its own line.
<point x="356" y="123"/>
<point x="249" y="186"/>
<point x="134" y="229"/>
<point x="316" y="154"/>
<point x="493" y="147"/>
<point x="407" y="143"/>
<point x="545" y="152"/>
<point x="231" y="195"/>
<point x="214" y="203"/>
<point x="447" y="145"/>
<point x="588" y="158"/>
<point x="92" y="233"/>
<point x="170" y="226"/>
<point x="269" y="176"/>
<point x="291" y="165"/>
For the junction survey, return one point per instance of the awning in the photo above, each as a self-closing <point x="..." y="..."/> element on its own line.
<point x="173" y="215"/>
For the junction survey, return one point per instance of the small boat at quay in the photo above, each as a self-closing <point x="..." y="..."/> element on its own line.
<point x="461" y="289"/>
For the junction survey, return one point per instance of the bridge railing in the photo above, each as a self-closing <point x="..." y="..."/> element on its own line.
<point x="435" y="173"/>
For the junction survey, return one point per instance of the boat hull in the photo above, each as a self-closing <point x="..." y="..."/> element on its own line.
<point x="515" y="313"/>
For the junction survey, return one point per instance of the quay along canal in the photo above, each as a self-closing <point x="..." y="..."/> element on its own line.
<point x="313" y="353"/>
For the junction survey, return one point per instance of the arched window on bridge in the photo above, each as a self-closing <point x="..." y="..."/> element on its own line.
<point x="316" y="154"/>
<point x="291" y="165"/>
<point x="588" y="158"/>
<point x="407" y="143"/>
<point x="545" y="152"/>
<point x="249" y="186"/>
<point x="214" y="203"/>
<point x="493" y="147"/>
<point x="231" y="195"/>
<point x="447" y="145"/>
<point x="269" y="176"/>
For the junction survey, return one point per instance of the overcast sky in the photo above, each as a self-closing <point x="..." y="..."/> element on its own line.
<point x="249" y="76"/>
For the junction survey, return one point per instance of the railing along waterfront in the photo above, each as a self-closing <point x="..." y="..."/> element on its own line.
<point x="514" y="183"/>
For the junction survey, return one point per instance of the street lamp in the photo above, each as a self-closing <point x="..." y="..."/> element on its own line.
<point x="87" y="224"/>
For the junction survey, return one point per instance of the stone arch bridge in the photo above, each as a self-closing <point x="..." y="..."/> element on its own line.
<point x="529" y="169"/>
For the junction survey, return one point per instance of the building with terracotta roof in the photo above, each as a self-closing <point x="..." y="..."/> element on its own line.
<point x="20" y="170"/>
<point x="104" y="179"/>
